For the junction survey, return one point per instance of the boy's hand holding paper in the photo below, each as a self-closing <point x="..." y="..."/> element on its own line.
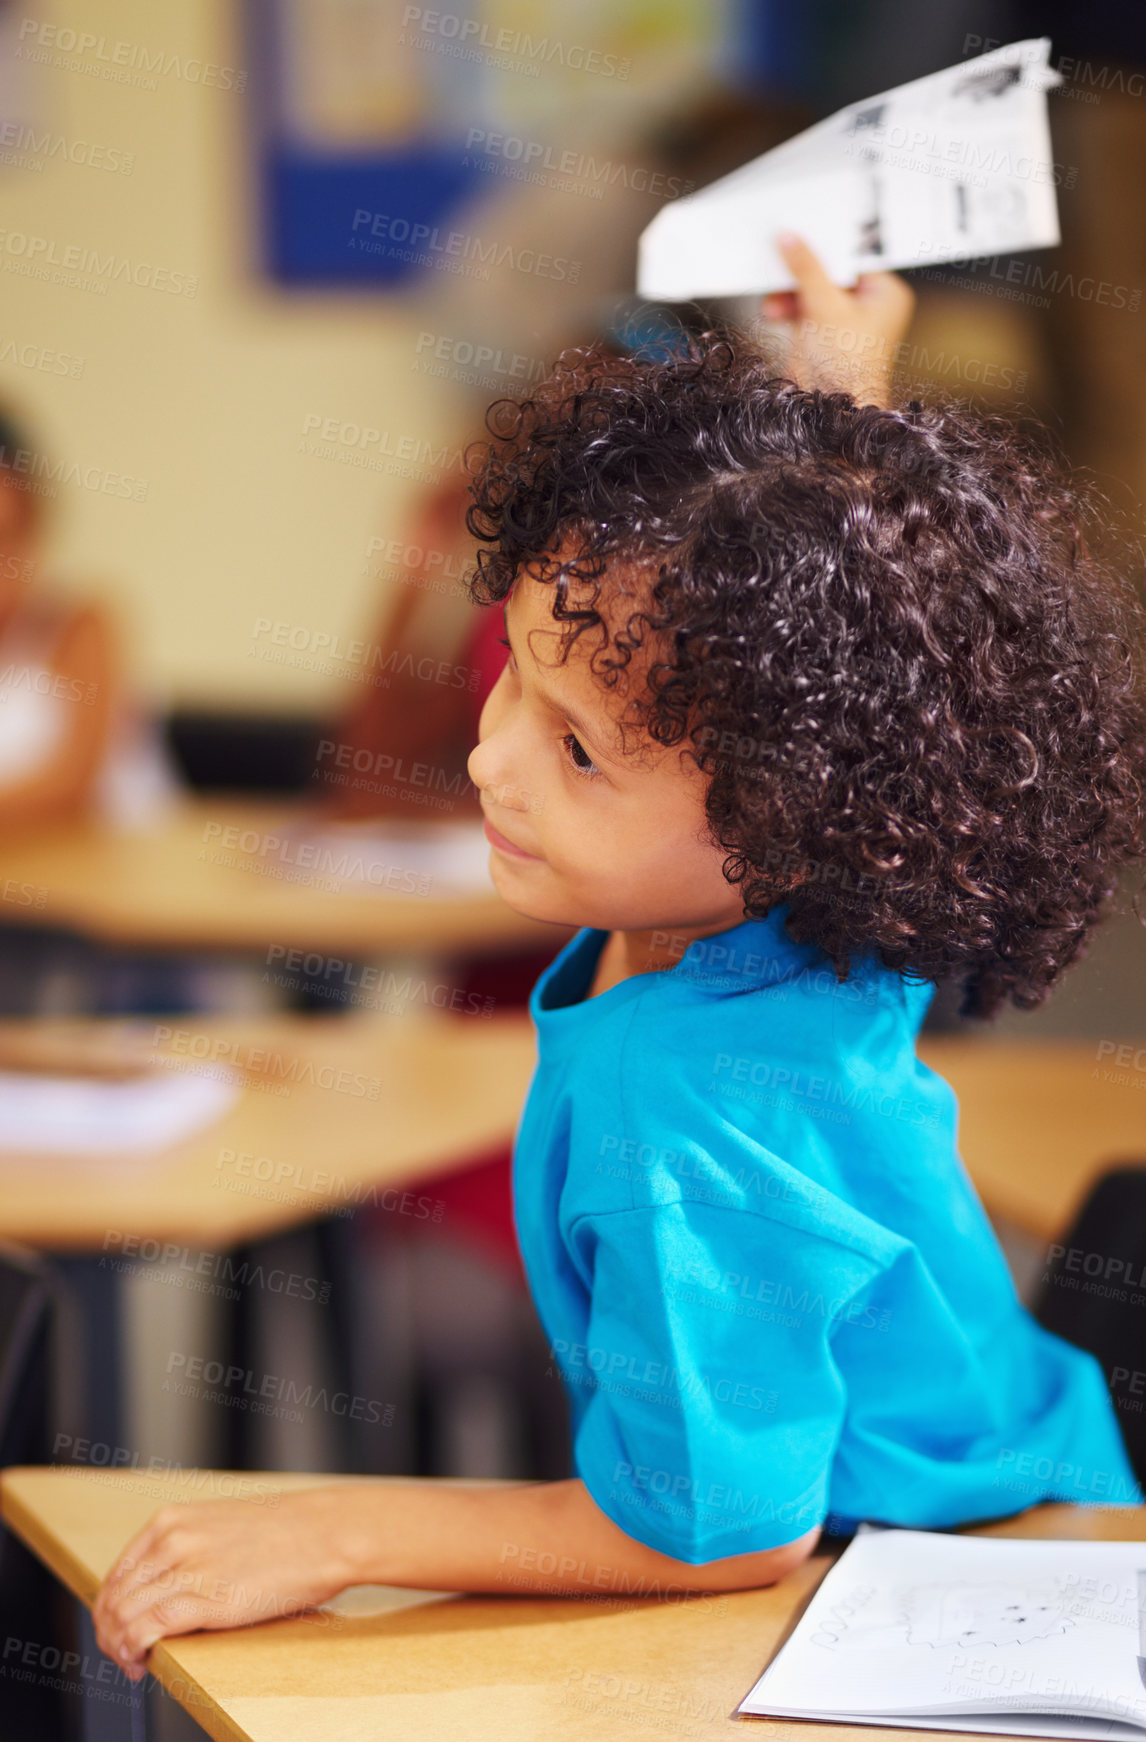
<point x="836" y="337"/>
<point x="947" y="167"/>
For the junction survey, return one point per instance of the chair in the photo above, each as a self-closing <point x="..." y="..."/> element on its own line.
<point x="1093" y="1294"/>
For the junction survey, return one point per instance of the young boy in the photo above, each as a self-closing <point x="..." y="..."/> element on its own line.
<point x="809" y="705"/>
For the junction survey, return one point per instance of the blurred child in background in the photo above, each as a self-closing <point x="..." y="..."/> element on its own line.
<point x="73" y="742"/>
<point x="59" y="672"/>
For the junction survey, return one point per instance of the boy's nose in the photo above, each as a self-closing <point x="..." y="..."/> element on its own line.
<point x="490" y="772"/>
<point x="476" y="764"/>
<point x="487" y="768"/>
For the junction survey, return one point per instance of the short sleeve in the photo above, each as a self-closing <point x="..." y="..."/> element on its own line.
<point x="711" y="1405"/>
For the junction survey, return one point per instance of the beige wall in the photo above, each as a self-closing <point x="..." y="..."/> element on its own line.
<point x="204" y="397"/>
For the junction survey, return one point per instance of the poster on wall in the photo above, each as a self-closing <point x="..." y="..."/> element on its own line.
<point x="377" y="121"/>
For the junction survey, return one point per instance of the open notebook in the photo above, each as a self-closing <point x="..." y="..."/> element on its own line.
<point x="934" y="1632"/>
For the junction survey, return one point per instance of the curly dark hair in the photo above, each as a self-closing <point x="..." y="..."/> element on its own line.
<point x="886" y="637"/>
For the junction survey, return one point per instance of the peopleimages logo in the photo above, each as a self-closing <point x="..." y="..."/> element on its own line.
<point x="453" y="250"/>
<point x="619" y="1367"/>
<point x="529" y="157"/>
<point x="299" y="860"/>
<point x="239" y="1385"/>
<point x="36" y="254"/>
<point x="473" y="39"/>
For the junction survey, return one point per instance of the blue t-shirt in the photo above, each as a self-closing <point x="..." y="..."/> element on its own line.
<point x="771" y="1290"/>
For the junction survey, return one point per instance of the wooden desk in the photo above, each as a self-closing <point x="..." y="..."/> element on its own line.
<point x="1039" y="1121"/>
<point x="180" y="885"/>
<point x="449" y="1087"/>
<point x="513" y="1668"/>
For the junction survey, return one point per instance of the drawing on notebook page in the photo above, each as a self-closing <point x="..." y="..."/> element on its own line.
<point x="930" y="1630"/>
<point x="992" y="1613"/>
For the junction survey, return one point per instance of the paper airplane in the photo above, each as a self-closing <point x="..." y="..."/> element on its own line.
<point x="950" y="166"/>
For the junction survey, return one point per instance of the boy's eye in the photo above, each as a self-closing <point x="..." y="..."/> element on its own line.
<point x="578" y="755"/>
<point x="576" y="752"/>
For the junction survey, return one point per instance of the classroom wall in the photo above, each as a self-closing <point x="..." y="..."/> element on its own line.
<point x="196" y="404"/>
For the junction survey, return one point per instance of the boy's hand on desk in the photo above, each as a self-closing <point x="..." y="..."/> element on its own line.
<point x="228" y="1563"/>
<point x="218" y="1563"/>
<point x="837" y="337"/>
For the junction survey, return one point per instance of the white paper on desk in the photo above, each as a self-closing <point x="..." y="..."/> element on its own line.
<point x="90" y="1116"/>
<point x="949" y="166"/>
<point x="927" y="1630"/>
<point x="398" y="858"/>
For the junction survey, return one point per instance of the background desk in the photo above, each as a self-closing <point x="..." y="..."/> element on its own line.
<point x="516" y="1669"/>
<point x="451" y="1087"/>
<point x="1038" y="1122"/>
<point x="177" y="885"/>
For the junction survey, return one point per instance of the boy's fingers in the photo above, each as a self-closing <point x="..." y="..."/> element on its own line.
<point x="135" y="1553"/>
<point x="886" y="289"/>
<point x="804" y="265"/>
<point x="150" y="1615"/>
<point x="158" y="1622"/>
